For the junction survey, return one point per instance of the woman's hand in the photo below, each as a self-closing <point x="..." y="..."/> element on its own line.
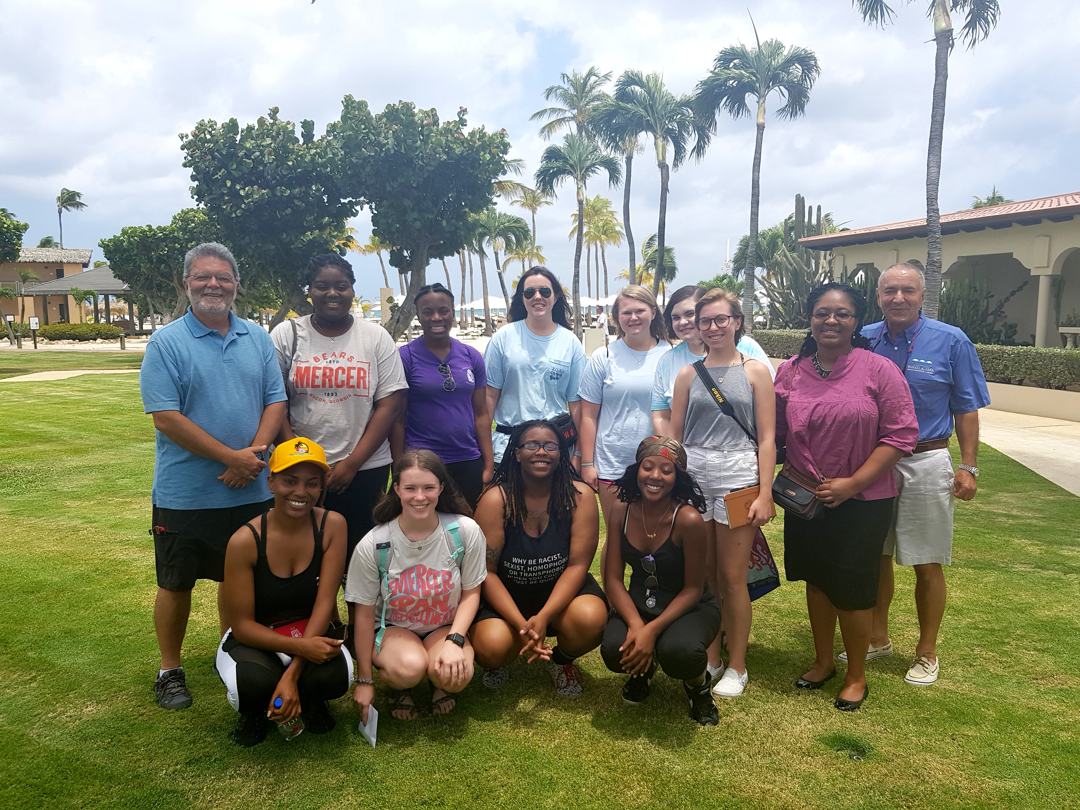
<point x="589" y="476"/>
<point x="762" y="510"/>
<point x="488" y="472"/>
<point x="450" y="665"/>
<point x="341" y="475"/>
<point x="363" y="696"/>
<point x="533" y="634"/>
<point x="318" y="649"/>
<point x="290" y="700"/>
<point x="637" y="649"/>
<point x="834" y="491"/>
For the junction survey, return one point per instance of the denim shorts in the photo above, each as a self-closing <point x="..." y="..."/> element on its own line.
<point x="719" y="472"/>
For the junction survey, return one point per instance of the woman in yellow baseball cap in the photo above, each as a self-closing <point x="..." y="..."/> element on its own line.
<point x="281" y="578"/>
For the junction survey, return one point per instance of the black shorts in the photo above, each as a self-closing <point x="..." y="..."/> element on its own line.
<point x="469" y="478"/>
<point x="356" y="502"/>
<point x="590" y="587"/>
<point x="189" y="544"/>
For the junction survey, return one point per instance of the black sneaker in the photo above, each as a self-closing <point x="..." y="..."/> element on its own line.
<point x="250" y="729"/>
<point x="636" y="689"/>
<point x="171" y="690"/>
<point x="317" y="718"/>
<point x="702" y="709"/>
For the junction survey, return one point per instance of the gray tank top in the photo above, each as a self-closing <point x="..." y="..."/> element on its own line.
<point x="706" y="425"/>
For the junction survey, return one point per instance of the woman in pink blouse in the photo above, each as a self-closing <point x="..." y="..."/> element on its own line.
<point x="846" y="417"/>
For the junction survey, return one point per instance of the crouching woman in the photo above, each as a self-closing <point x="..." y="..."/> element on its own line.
<point x="281" y="578"/>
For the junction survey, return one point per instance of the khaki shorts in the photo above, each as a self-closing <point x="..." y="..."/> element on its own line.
<point x="922" y="527"/>
<point x="719" y="472"/>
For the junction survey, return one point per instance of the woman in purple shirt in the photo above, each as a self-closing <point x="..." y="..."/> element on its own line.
<point x="446" y="407"/>
<point x="846" y="417"/>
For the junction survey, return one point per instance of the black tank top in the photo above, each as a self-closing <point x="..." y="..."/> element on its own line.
<point x="280" y="600"/>
<point x="670" y="570"/>
<point x="529" y="566"/>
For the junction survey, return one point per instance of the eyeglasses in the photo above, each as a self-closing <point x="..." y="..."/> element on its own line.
<point x="545" y="292"/>
<point x="719" y="321"/>
<point x="547" y="447"/>
<point x="448" y="384"/>
<point x="840" y="315"/>
<point x="648" y="564"/>
<point x="220" y="278"/>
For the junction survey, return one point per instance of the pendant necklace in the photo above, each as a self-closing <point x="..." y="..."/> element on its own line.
<point x="644" y="528"/>
<point x="821" y="370"/>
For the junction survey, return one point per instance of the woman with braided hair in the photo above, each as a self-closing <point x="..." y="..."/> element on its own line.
<point x="542" y="527"/>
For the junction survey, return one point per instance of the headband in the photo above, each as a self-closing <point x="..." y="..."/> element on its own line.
<point x="662" y="446"/>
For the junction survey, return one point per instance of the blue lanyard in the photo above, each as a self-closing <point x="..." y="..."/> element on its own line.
<point x="911" y="343"/>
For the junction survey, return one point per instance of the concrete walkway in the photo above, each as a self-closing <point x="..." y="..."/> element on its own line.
<point x="42" y="376"/>
<point x="1050" y="447"/>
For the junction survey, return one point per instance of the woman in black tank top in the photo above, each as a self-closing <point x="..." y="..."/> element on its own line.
<point x="667" y="617"/>
<point x="541" y="526"/>
<point x="281" y="578"/>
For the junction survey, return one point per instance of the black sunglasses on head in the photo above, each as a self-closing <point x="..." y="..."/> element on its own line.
<point x="545" y="292"/>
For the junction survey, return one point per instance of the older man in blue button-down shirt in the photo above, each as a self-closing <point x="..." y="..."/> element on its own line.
<point x="948" y="388"/>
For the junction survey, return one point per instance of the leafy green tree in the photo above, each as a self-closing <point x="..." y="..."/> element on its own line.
<point x="980" y="18"/>
<point x="67" y="200"/>
<point x="8" y="294"/>
<point x="273" y="195"/>
<point x="501" y="232"/>
<point x="420" y="178"/>
<point x="576" y="98"/>
<point x="47" y="242"/>
<point x="739" y="73"/>
<point x="577" y="159"/>
<point x="995" y="197"/>
<point x="11" y="236"/>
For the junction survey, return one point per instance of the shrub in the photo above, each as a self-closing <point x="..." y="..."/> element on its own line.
<point x="1015" y="365"/>
<point x="80" y="331"/>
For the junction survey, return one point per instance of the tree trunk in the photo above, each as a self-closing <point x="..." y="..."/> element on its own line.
<point x="446" y="270"/>
<point x="150" y="306"/>
<point x="487" y="301"/>
<point x="749" y="277"/>
<point x="502" y="283"/>
<point x="472" y="285"/>
<point x="382" y="266"/>
<point x="943" y="41"/>
<point x="60" y="219"/>
<point x="402" y="280"/>
<point x="596" y="266"/>
<point x="294" y="300"/>
<point x="603" y="258"/>
<point x="579" y="328"/>
<point x="661" y="226"/>
<point x="464" y="301"/>
<point x="632" y="267"/>
<point x="533" y="212"/>
<point x="416" y="270"/>
<point x="588" y="270"/>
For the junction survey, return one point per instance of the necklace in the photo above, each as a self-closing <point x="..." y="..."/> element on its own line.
<point x="644" y="528"/>
<point x="821" y="370"/>
<point x="321" y="327"/>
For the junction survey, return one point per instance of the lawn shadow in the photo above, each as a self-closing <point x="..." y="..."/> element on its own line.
<point x="663" y="719"/>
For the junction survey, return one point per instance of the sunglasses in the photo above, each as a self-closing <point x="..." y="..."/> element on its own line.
<point x="648" y="564"/>
<point x="545" y="292"/>
<point x="448" y="383"/>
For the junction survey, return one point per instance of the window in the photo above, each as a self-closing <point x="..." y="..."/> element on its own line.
<point x="60" y="272"/>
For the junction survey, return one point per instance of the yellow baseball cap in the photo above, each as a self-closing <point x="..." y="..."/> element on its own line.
<point x="297" y="451"/>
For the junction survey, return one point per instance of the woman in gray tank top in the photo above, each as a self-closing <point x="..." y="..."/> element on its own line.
<point x="728" y="449"/>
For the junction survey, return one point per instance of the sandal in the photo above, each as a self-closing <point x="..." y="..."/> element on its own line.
<point x="442" y="706"/>
<point x="403" y="705"/>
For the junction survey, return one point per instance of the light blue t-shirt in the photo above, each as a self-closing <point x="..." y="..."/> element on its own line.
<point x="537" y="375"/>
<point x="620" y="381"/>
<point x="680" y="357"/>
<point x="222" y="384"/>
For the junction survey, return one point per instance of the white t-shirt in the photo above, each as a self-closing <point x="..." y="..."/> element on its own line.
<point x="537" y="375"/>
<point x="678" y="358"/>
<point x="620" y="381"/>
<point x="333" y="383"/>
<point x="425" y="583"/>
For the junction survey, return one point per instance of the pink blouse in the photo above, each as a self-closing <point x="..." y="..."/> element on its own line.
<point x="832" y="424"/>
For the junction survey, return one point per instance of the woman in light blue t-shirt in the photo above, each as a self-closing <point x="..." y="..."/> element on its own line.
<point x="534" y="363"/>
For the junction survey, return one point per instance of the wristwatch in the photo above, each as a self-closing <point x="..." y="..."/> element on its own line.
<point x="971" y="469"/>
<point x="456" y="638"/>
<point x="361" y="681"/>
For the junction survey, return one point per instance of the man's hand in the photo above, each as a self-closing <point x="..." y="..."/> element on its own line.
<point x="341" y="476"/>
<point x="243" y="466"/>
<point x="964" y="485"/>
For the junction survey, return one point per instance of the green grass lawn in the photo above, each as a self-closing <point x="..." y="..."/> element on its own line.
<point x="78" y="725"/>
<point x="13" y="363"/>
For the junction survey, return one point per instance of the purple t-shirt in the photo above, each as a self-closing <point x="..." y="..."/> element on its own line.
<point x="439" y="420"/>
<point x="831" y="425"/>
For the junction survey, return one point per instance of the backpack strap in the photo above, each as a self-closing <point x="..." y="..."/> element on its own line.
<point x="457" y="547"/>
<point x="721" y="401"/>
<point x="382" y="560"/>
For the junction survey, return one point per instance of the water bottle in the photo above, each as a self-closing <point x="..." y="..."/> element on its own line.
<point x="290" y="729"/>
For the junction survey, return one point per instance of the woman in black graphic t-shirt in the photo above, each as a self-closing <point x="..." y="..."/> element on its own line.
<point x="542" y="527"/>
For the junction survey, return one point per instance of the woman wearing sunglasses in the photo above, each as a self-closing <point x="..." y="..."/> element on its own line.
<point x="534" y="363"/>
<point x="542" y="527"/>
<point x="666" y="618"/>
<point x="446" y="402"/>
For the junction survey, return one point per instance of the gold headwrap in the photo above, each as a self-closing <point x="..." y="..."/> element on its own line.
<point x="662" y="446"/>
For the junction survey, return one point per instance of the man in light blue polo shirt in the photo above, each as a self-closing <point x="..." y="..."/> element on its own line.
<point x="948" y="387"/>
<point x="212" y="383"/>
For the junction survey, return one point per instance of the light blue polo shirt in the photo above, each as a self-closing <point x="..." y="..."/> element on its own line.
<point x="222" y="384"/>
<point x="942" y="370"/>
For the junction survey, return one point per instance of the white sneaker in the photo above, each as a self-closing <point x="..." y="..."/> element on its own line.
<point x="714" y="673"/>
<point x="731" y="684"/>
<point x="872" y="652"/>
<point x="923" y="672"/>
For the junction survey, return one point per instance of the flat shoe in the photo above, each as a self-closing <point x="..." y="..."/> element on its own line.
<point x="806" y="683"/>
<point x="872" y="652"/>
<point x="851" y="705"/>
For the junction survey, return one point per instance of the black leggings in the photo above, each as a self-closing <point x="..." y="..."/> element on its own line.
<point x="681" y="650"/>
<point x="469" y="477"/>
<point x="251" y="675"/>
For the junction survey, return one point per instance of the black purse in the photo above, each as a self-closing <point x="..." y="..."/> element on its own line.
<point x="795" y="493"/>
<point x="564" y="423"/>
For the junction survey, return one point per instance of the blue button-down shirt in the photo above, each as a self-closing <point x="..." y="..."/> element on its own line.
<point x="942" y="370"/>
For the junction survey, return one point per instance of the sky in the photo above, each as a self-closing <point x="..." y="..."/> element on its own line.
<point x="94" y="95"/>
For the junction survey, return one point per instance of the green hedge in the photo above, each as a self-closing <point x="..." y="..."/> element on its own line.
<point x="1015" y="365"/>
<point x="80" y="331"/>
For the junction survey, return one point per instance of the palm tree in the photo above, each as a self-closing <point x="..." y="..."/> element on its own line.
<point x="601" y="229"/>
<point x="532" y="201"/>
<point x="502" y="232"/>
<point x="980" y="17"/>
<point x="995" y="197"/>
<point x="67" y="200"/>
<point x="579" y="94"/>
<point x="504" y="186"/>
<point x="375" y="246"/>
<point x="25" y="277"/>
<point x="528" y="254"/>
<point x="475" y="244"/>
<point x="739" y="72"/>
<point x="619" y="133"/>
<point x="577" y="159"/>
<point x="645" y="104"/>
<point x="659" y="272"/>
<point x="47" y="242"/>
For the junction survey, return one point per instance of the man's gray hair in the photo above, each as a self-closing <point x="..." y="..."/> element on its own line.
<point x="914" y="265"/>
<point x="214" y="249"/>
